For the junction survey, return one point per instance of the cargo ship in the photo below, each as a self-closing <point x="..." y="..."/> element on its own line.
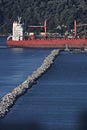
<point x="19" y="39"/>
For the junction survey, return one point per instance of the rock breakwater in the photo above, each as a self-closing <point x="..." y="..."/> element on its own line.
<point x="9" y="99"/>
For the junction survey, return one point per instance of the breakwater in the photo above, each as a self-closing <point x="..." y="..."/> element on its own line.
<point x="9" y="99"/>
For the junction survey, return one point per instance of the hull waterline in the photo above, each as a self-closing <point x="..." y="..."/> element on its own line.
<point x="51" y="43"/>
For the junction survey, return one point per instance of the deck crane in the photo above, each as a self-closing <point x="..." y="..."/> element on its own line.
<point x="44" y="26"/>
<point x="75" y="27"/>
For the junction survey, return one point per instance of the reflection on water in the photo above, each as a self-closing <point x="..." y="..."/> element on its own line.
<point x="17" y="50"/>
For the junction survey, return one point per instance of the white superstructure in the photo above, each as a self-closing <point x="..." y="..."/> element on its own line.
<point x="17" y="31"/>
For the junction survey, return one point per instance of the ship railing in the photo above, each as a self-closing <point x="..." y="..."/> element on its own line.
<point x="9" y="37"/>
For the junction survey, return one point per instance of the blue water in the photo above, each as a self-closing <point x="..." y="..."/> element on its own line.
<point x="59" y="99"/>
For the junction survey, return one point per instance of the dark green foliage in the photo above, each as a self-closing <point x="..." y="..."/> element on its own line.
<point x="56" y="12"/>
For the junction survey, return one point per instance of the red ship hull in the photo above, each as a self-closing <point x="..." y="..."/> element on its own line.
<point x="49" y="43"/>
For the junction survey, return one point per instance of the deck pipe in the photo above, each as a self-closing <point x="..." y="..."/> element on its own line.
<point x="9" y="99"/>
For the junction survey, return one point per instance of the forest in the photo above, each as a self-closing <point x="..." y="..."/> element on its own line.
<point x="58" y="13"/>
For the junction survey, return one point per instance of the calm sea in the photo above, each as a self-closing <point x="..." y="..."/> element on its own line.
<point x="59" y="99"/>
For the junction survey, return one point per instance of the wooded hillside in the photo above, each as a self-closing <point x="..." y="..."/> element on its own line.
<point x="56" y="12"/>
